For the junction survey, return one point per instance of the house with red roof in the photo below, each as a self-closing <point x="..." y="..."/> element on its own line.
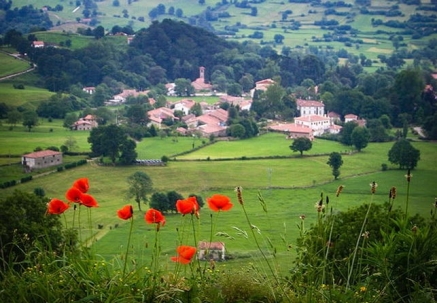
<point x="157" y="115"/>
<point x="38" y="44"/>
<point x="211" y="251"/>
<point x="183" y="105"/>
<point x="41" y="159"/>
<point x="293" y="130"/>
<point x="310" y="107"/>
<point x="87" y="123"/>
<point x="354" y="118"/>
<point x="317" y="123"/>
<point x="243" y="103"/>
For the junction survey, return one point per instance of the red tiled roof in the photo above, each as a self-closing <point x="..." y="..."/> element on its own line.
<point x="291" y="127"/>
<point x="307" y="103"/>
<point x="211" y="245"/>
<point x="311" y="118"/>
<point x="43" y="153"/>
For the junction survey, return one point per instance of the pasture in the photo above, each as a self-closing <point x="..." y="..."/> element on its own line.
<point x="290" y="187"/>
<point x="11" y="65"/>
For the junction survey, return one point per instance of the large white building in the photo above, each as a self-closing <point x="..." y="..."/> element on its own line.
<point x="310" y="107"/>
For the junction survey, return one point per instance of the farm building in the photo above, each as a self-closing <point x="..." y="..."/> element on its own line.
<point x="211" y="251"/>
<point x="41" y="159"/>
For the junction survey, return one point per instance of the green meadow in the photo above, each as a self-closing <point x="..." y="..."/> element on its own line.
<point x="11" y="65"/>
<point x="289" y="185"/>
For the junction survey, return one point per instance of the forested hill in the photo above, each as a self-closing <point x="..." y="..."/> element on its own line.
<point x="24" y="19"/>
<point x="179" y="48"/>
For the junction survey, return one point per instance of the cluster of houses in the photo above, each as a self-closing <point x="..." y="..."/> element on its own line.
<point x="312" y="120"/>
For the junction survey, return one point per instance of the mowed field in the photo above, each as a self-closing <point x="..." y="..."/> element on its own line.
<point x="290" y="187"/>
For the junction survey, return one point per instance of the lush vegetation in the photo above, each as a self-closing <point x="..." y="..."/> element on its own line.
<point x="353" y="201"/>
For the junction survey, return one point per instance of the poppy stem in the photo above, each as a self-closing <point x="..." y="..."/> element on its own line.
<point x="195" y="245"/>
<point x="128" y="244"/>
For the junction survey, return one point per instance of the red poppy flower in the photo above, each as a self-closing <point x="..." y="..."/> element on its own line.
<point x="188" y="206"/>
<point x="88" y="201"/>
<point x="82" y="184"/>
<point x="74" y="195"/>
<point x="57" y="207"/>
<point x="154" y="216"/>
<point x="126" y="212"/>
<point x="219" y="202"/>
<point x="185" y="254"/>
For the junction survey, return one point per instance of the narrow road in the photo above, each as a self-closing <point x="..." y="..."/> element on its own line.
<point x="19" y="73"/>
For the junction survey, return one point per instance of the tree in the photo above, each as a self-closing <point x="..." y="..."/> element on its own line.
<point x="254" y="11"/>
<point x="69" y="120"/>
<point x="335" y="162"/>
<point x="159" y="201"/>
<point x="24" y="225"/>
<point x="183" y="87"/>
<point x="173" y="197"/>
<point x="360" y="137"/>
<point x="404" y="154"/>
<point x="128" y="153"/>
<point x="301" y="144"/>
<point x="278" y="38"/>
<point x="346" y="132"/>
<point x="110" y="141"/>
<point x="140" y="185"/>
<point x="237" y="130"/>
<point x="71" y="143"/>
<point x="30" y="119"/>
<point x="14" y="117"/>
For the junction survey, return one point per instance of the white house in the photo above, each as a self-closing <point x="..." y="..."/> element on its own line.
<point x="184" y="105"/>
<point x="310" y="107"/>
<point x="317" y="123"/>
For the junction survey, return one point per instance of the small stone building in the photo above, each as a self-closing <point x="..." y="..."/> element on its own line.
<point x="211" y="251"/>
<point x="41" y="159"/>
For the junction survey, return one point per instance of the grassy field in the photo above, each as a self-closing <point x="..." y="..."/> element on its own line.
<point x="268" y="20"/>
<point x="289" y="186"/>
<point x="11" y="65"/>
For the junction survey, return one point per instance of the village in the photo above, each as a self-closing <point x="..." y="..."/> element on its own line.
<point x="312" y="120"/>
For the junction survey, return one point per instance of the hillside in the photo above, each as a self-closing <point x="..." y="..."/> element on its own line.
<point x="367" y="27"/>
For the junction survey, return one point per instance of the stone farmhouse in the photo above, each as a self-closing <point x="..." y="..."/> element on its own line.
<point x="211" y="251"/>
<point x="87" y="123"/>
<point x="41" y="159"/>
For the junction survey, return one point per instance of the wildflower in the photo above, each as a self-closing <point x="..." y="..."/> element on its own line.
<point x="302" y="217"/>
<point x="365" y="235"/>
<point x="414" y="229"/>
<point x="363" y="288"/>
<point x="188" y="206"/>
<point x="239" y="190"/>
<point x="82" y="185"/>
<point x="88" y="201"/>
<point x="329" y="244"/>
<point x="409" y="175"/>
<point x="185" y="254"/>
<point x="219" y="202"/>
<point x="74" y="195"/>
<point x="373" y="187"/>
<point x="319" y="206"/>
<point x="154" y="216"/>
<point x="392" y="194"/>
<point x="126" y="212"/>
<point x="57" y="207"/>
<point x="339" y="190"/>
